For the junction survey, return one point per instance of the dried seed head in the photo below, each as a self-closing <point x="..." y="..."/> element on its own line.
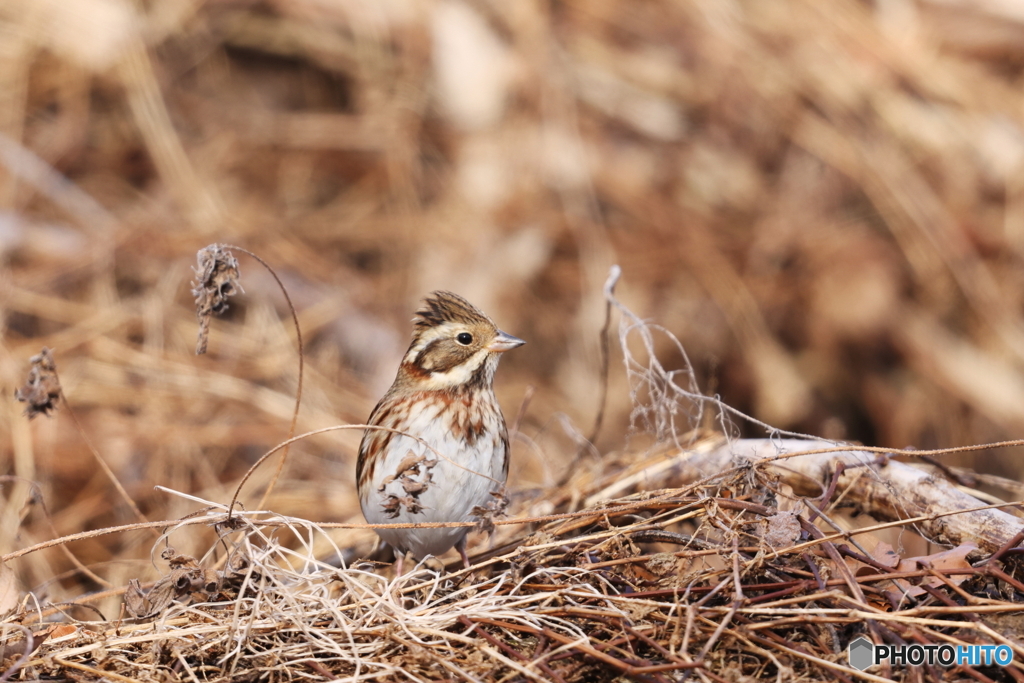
<point x="42" y="389"/>
<point x="486" y="514"/>
<point x="393" y="505"/>
<point x="185" y="578"/>
<point x="218" y="279"/>
<point x="135" y="600"/>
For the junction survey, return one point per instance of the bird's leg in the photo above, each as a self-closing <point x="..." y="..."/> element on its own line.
<point x="399" y="561"/>
<point x="461" y="547"/>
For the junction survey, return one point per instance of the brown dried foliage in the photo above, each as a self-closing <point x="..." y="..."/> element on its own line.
<point x="825" y="206"/>
<point x="693" y="578"/>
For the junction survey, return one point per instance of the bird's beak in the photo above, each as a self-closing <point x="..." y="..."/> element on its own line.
<point x="504" y="342"/>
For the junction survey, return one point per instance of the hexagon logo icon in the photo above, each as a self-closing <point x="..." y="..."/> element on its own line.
<point x="861" y="653"/>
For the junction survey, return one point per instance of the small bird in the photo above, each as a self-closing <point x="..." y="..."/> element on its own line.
<point x="448" y="453"/>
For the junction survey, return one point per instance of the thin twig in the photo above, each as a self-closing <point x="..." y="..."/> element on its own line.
<point x="298" y="390"/>
<point x="37" y="496"/>
<point x="609" y="293"/>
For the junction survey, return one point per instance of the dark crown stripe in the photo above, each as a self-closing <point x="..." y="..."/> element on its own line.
<point x="442" y="307"/>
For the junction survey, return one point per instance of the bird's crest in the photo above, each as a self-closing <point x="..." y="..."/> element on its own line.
<point x="442" y="307"/>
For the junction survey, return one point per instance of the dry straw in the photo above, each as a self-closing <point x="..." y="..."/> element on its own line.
<point x="823" y="202"/>
<point x="711" y="576"/>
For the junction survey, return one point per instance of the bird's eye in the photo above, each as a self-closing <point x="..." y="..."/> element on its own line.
<point x="464" y="338"/>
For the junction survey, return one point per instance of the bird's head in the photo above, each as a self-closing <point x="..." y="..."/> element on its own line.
<point x="454" y="344"/>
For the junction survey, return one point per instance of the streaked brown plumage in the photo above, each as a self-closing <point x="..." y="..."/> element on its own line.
<point x="452" y="453"/>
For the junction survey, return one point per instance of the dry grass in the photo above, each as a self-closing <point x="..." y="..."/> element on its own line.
<point x="823" y="208"/>
<point x="639" y="568"/>
<point x="616" y="588"/>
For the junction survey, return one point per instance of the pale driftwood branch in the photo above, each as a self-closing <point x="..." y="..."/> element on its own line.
<point x="886" y="489"/>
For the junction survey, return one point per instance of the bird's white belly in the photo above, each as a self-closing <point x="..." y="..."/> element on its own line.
<point x="444" y="483"/>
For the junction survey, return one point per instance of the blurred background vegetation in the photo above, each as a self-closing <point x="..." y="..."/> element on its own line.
<point x="823" y="201"/>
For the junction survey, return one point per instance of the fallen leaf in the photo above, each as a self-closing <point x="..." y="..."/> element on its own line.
<point x="783" y="530"/>
<point x="884" y="553"/>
